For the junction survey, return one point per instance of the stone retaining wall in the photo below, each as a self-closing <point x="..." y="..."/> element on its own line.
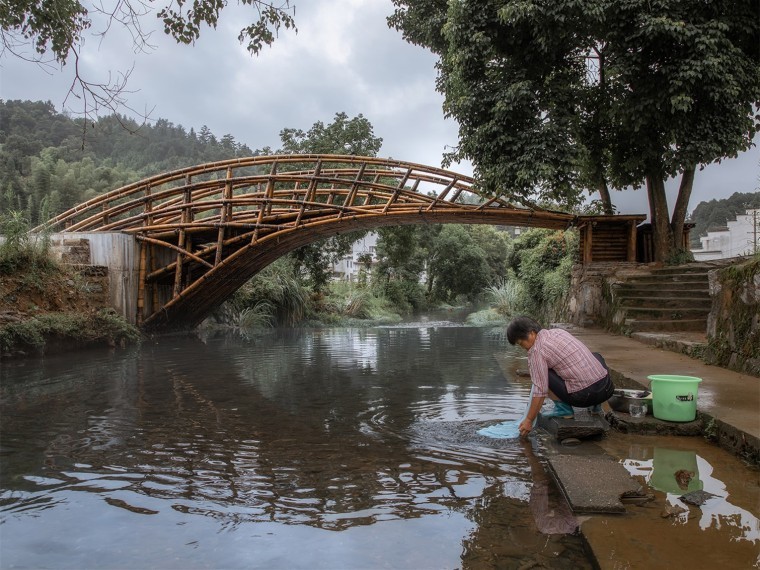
<point x="590" y="302"/>
<point x="733" y="326"/>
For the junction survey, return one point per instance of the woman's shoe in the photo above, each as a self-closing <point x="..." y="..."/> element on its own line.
<point x="561" y="410"/>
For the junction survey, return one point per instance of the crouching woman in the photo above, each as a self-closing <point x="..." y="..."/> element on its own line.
<point x="561" y="368"/>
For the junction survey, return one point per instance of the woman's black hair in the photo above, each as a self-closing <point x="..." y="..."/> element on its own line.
<point x="520" y="328"/>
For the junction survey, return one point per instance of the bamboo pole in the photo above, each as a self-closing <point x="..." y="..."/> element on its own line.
<point x="223" y="217"/>
<point x="141" y="284"/>
<point x="181" y="241"/>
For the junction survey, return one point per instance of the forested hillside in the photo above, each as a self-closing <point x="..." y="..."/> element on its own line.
<point x="50" y="162"/>
<point x="714" y="214"/>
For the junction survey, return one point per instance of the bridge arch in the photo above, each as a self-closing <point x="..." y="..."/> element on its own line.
<point x="205" y="230"/>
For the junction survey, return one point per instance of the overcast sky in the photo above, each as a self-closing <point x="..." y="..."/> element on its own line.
<point x="344" y="58"/>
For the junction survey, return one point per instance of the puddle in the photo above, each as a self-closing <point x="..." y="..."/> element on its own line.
<point x="722" y="532"/>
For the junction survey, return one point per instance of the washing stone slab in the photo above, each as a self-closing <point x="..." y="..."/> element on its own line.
<point x="580" y="427"/>
<point x="592" y="483"/>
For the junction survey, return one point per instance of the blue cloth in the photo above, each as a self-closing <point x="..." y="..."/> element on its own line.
<point x="504" y="430"/>
<point x="509" y="429"/>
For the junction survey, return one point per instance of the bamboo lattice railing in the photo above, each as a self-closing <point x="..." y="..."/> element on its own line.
<point x="207" y="229"/>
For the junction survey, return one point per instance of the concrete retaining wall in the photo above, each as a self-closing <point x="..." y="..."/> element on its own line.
<point x="119" y="252"/>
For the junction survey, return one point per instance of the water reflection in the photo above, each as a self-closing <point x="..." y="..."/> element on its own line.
<point x="678" y="471"/>
<point x="236" y="451"/>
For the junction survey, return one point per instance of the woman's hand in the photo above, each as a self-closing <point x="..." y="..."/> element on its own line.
<point x="525" y="427"/>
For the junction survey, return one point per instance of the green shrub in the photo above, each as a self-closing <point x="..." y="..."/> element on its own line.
<point x="20" y="251"/>
<point x="103" y="327"/>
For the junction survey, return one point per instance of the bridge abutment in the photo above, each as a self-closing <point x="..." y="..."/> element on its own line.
<point x="118" y="252"/>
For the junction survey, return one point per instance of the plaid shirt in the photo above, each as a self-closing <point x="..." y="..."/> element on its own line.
<point x="569" y="357"/>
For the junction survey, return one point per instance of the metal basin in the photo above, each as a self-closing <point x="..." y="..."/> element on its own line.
<point x="622" y="398"/>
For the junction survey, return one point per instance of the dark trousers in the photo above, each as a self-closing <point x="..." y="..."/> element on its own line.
<point x="600" y="391"/>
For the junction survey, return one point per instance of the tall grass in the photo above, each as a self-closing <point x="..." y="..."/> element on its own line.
<point x="274" y="297"/>
<point x="507" y="296"/>
<point x="20" y="250"/>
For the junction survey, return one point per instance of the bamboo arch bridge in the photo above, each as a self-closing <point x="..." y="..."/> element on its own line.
<point x="205" y="230"/>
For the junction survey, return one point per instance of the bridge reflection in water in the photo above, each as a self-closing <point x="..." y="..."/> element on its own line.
<point x="206" y="230"/>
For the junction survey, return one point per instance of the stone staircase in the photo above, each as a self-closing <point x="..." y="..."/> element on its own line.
<point x="670" y="299"/>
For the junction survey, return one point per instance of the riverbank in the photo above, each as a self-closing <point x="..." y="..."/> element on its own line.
<point x="56" y="307"/>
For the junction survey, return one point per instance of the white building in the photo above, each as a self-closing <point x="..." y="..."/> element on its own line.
<point x="348" y="268"/>
<point x="739" y="237"/>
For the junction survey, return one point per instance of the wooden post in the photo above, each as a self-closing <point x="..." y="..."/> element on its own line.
<point x="307" y="197"/>
<point x="224" y="215"/>
<point x="631" y="254"/>
<point x="141" y="283"/>
<point x="587" y="243"/>
<point x="354" y="188"/>
<point x="187" y="199"/>
<point x="266" y="206"/>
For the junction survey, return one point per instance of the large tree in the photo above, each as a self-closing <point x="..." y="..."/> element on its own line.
<point x="554" y="97"/>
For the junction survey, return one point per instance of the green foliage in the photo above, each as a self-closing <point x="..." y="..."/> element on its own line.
<point x="349" y="300"/>
<point x="736" y="342"/>
<point x="258" y="316"/>
<point x="486" y="317"/>
<point x="458" y="265"/>
<point x="104" y="327"/>
<point x="679" y="257"/>
<point x="342" y="136"/>
<point x="44" y="169"/>
<point x="58" y="26"/>
<point x="405" y="296"/>
<point x="276" y="296"/>
<point x="542" y="261"/>
<point x="507" y="297"/>
<point x="18" y="252"/>
<point x="555" y="97"/>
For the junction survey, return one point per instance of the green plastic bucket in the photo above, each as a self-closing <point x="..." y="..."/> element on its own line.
<point x="674" y="398"/>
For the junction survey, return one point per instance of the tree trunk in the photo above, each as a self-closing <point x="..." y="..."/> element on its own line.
<point x="682" y="204"/>
<point x="662" y="234"/>
<point x="604" y="195"/>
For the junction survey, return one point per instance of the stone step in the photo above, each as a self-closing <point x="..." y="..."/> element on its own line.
<point x="671" y="277"/>
<point x="666" y="302"/>
<point x="667" y="313"/>
<point x="664" y="294"/>
<point x="691" y="268"/>
<point x="663" y="286"/>
<point x="664" y="325"/>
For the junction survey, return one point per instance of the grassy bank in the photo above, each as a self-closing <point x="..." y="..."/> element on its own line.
<point x="46" y="306"/>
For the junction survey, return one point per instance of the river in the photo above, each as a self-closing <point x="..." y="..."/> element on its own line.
<point x="299" y="448"/>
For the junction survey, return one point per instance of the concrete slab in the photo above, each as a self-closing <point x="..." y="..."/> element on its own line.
<point x="592" y="483"/>
<point x="580" y="427"/>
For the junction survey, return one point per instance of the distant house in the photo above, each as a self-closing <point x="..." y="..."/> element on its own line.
<point x="349" y="267"/>
<point x="739" y="237"/>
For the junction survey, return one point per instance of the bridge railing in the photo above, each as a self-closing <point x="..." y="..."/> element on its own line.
<point x="250" y="190"/>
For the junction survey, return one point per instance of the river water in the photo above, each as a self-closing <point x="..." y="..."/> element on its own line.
<point x="325" y="448"/>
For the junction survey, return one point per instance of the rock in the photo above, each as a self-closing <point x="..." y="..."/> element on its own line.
<point x="636" y="498"/>
<point x="672" y="511"/>
<point x="697" y="498"/>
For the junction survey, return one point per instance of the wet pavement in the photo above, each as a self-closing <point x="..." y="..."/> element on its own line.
<point x="664" y="530"/>
<point x="729" y="402"/>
